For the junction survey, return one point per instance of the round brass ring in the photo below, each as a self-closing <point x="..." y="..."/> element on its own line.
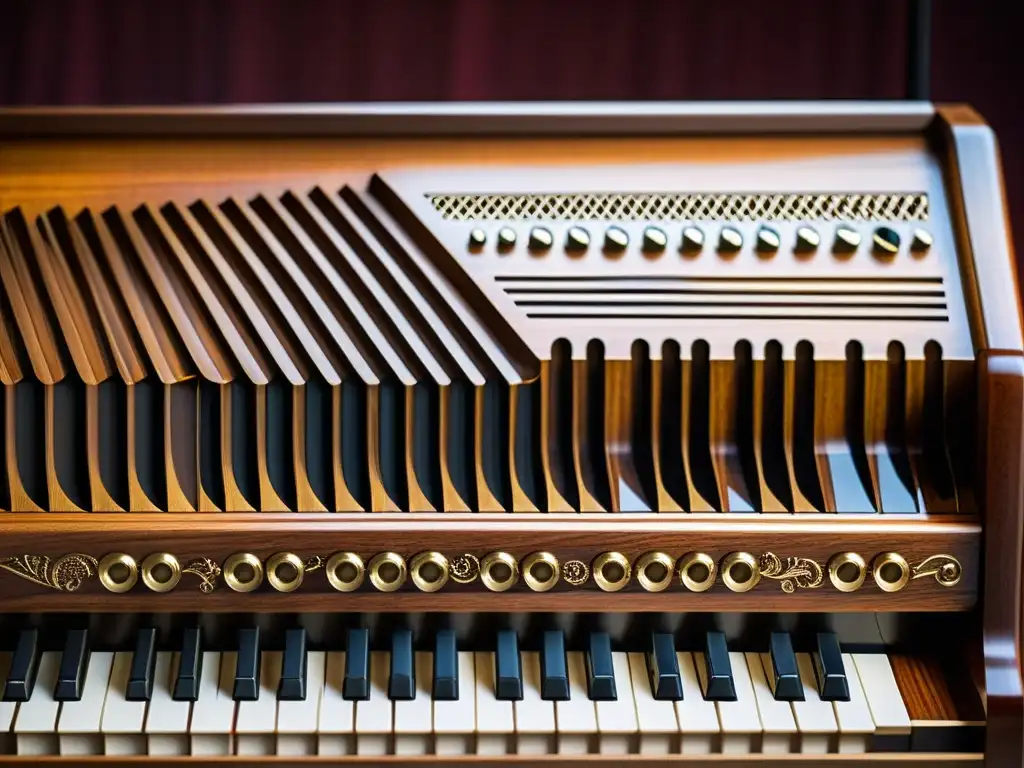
<point x="107" y="568"/>
<point x="282" y="584"/>
<point x="236" y="561"/>
<point x="423" y="559"/>
<point x="837" y="568"/>
<point x="536" y="583"/>
<point x="336" y="563"/>
<point x="377" y="576"/>
<point x="494" y="560"/>
<point x="740" y="583"/>
<point x="153" y="575"/>
<point x="879" y="567"/>
<point x="692" y="560"/>
<point x="655" y="559"/>
<point x="606" y="559"/>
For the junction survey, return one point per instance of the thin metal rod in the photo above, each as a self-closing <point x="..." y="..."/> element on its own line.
<point x="919" y="50"/>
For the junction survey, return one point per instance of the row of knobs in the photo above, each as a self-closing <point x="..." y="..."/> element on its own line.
<point x="885" y="241"/>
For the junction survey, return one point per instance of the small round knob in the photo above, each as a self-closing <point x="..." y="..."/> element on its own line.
<point x="477" y="239"/>
<point x="847" y="240"/>
<point x="886" y="241"/>
<point x="730" y="240"/>
<point x="922" y="241"/>
<point x="693" y="239"/>
<point x="655" y="240"/>
<point x="577" y="239"/>
<point x="768" y="240"/>
<point x="807" y="240"/>
<point x="506" y="238"/>
<point x="616" y="239"/>
<point x="540" y="239"/>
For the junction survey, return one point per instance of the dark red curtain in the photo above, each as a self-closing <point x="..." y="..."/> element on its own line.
<point x="201" y="51"/>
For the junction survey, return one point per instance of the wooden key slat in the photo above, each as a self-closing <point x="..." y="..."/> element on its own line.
<point x="344" y="500"/>
<point x="526" y="441"/>
<point x="60" y="442"/>
<point x="448" y="454"/>
<point x="584" y="435"/>
<point x="493" y="469"/>
<point x="790" y="429"/>
<point x="690" y="413"/>
<point x="770" y="502"/>
<point x="627" y="489"/>
<point x="890" y="489"/>
<point x="665" y="501"/>
<point x="554" y="457"/>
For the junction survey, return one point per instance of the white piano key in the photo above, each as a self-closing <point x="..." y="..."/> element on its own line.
<point x="616" y="720"/>
<point x="122" y="719"/>
<point x="35" y="726"/>
<point x="297" y="720"/>
<point x="814" y="718"/>
<point x="79" y="726"/>
<point x="853" y="716"/>
<point x="211" y="731"/>
<point x="777" y="721"/>
<point x="335" y="725"/>
<point x="883" y="695"/>
<point x="699" y="728"/>
<point x="8" y="710"/>
<point x="740" y="720"/>
<point x="535" y="717"/>
<point x="414" y="718"/>
<point x="656" y="719"/>
<point x="455" y="721"/>
<point x="167" y="719"/>
<point x="256" y="721"/>
<point x="495" y="721"/>
<point x="576" y="719"/>
<point x="374" y="716"/>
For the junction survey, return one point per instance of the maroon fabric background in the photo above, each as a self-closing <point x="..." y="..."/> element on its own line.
<point x="201" y="51"/>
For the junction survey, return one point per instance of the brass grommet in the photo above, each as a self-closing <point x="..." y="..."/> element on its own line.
<point x="541" y="571"/>
<point x="161" y="572"/>
<point x="243" y="572"/>
<point x="847" y="571"/>
<point x="654" y="571"/>
<point x="697" y="571"/>
<point x="499" y="571"/>
<point x="388" y="571"/>
<point x="287" y="582"/>
<point x="345" y="571"/>
<point x="740" y="572"/>
<point x="118" y="572"/>
<point x="429" y="571"/>
<point x="611" y="571"/>
<point x="891" y="571"/>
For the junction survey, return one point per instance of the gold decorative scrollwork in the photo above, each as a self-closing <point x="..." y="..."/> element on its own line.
<point x="464" y="568"/>
<point x="314" y="563"/>
<point x="945" y="568"/>
<point x="576" y="572"/>
<point x="793" y="572"/>
<point x="208" y="572"/>
<point x="67" y="574"/>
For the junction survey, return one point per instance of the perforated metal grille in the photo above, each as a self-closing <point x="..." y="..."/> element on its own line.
<point x="684" y="207"/>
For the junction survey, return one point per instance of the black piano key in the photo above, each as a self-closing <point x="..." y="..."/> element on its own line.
<point x="247" y="666"/>
<point x="600" y="672"/>
<point x="829" y="669"/>
<point x="553" y="671"/>
<point x="785" y="676"/>
<point x="190" y="666"/>
<point x="140" y="677"/>
<point x="666" y="680"/>
<point x="357" y="666"/>
<point x="402" y="683"/>
<point x="292" y="686"/>
<point x="508" y="671"/>
<point x="73" y="663"/>
<point x="21" y="678"/>
<point x="446" y="666"/>
<point x="719" y="685"/>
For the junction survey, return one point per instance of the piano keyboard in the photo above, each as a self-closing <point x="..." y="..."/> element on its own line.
<point x="436" y="699"/>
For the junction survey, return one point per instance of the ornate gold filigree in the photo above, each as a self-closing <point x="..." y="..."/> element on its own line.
<point x="208" y="572"/>
<point x="314" y="563"/>
<point x="945" y="568"/>
<point x="793" y="572"/>
<point x="465" y="568"/>
<point x="576" y="572"/>
<point x="67" y="574"/>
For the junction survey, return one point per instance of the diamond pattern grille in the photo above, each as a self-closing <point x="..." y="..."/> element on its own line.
<point x="684" y="207"/>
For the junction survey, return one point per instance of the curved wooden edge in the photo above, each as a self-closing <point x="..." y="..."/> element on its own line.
<point x="1001" y="462"/>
